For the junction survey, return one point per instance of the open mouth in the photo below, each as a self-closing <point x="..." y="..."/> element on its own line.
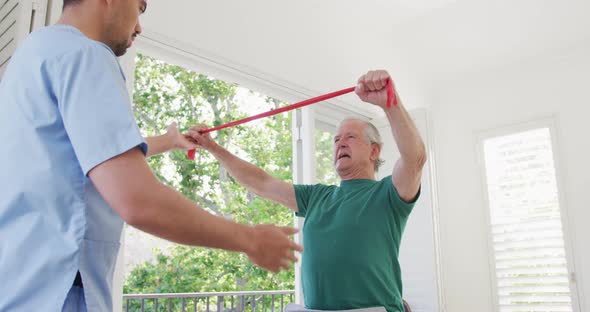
<point x="343" y="156"/>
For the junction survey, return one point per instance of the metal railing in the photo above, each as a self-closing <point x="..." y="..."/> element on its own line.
<point x="240" y="301"/>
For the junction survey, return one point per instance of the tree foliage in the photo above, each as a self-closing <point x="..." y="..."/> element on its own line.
<point x="164" y="93"/>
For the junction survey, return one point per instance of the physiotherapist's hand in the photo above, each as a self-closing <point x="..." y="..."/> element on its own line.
<point x="271" y="248"/>
<point x="179" y="140"/>
<point x="372" y="88"/>
<point x="204" y="140"/>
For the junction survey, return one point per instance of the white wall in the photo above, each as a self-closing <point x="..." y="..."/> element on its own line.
<point x="530" y="90"/>
<point x="418" y="253"/>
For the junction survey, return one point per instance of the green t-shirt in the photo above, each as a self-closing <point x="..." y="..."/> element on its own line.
<point x="351" y="239"/>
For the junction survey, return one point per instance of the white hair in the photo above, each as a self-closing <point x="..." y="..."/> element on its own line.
<point x="372" y="135"/>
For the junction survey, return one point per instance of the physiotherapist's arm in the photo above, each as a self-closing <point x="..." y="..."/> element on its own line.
<point x="172" y="139"/>
<point x="253" y="178"/>
<point x="129" y="186"/>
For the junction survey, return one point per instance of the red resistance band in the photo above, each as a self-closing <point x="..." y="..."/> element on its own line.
<point x="390" y="96"/>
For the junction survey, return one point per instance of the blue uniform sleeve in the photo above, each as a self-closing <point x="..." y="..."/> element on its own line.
<point x="95" y="106"/>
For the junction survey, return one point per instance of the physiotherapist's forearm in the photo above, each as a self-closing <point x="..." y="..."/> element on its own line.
<point x="184" y="222"/>
<point x="129" y="186"/>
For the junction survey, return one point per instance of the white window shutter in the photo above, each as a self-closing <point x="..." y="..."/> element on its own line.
<point x="528" y="244"/>
<point x="17" y="19"/>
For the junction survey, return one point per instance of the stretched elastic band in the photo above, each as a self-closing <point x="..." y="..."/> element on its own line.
<point x="390" y="96"/>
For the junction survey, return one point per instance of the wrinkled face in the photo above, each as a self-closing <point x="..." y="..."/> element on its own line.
<point x="352" y="149"/>
<point x="122" y="24"/>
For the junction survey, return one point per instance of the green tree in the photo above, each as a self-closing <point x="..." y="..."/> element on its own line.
<point x="164" y="93"/>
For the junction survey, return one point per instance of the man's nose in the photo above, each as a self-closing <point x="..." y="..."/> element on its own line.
<point x="138" y="29"/>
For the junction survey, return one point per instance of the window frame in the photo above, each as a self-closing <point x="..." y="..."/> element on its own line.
<point x="324" y="116"/>
<point x="172" y="52"/>
<point x="551" y="123"/>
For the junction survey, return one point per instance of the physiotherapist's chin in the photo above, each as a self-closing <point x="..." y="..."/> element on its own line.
<point x="121" y="53"/>
<point x="120" y="49"/>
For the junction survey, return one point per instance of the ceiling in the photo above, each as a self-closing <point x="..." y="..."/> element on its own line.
<point x="314" y="47"/>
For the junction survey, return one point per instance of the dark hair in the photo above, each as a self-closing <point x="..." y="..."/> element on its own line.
<point x="70" y="2"/>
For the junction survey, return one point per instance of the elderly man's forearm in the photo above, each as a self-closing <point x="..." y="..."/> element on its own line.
<point x="158" y="145"/>
<point x="407" y="137"/>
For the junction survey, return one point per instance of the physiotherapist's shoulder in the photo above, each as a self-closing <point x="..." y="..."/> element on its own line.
<point x="62" y="43"/>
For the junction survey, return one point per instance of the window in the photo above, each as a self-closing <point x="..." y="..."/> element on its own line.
<point x="17" y="19"/>
<point x="324" y="150"/>
<point x="527" y="240"/>
<point x="164" y="93"/>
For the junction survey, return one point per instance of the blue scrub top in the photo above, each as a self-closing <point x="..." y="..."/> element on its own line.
<point x="64" y="109"/>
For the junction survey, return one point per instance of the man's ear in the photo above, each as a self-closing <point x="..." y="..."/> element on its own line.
<point x="375" y="151"/>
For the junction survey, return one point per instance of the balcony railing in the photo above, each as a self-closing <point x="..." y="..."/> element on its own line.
<point x="209" y="302"/>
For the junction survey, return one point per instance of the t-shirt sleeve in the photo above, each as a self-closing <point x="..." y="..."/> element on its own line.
<point x="400" y="205"/>
<point x="95" y="106"/>
<point x="303" y="193"/>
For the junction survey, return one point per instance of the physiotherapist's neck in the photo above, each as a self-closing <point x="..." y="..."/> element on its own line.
<point x="86" y="18"/>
